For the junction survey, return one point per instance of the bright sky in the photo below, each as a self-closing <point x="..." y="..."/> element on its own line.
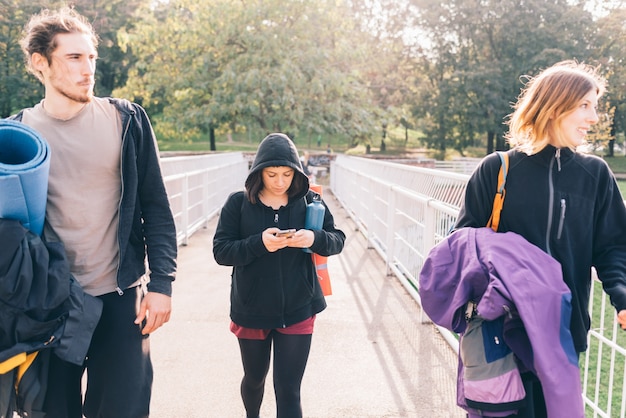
<point x="601" y="7"/>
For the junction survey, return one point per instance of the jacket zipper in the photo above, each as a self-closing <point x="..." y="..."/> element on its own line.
<point x="551" y="198"/>
<point x="282" y="288"/>
<point x="119" y="211"/>
<point x="282" y="291"/>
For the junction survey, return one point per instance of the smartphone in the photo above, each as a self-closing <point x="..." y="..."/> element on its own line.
<point x="285" y="233"/>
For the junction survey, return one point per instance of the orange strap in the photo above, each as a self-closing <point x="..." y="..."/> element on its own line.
<point x="22" y="368"/>
<point x="498" y="200"/>
<point x="11" y="363"/>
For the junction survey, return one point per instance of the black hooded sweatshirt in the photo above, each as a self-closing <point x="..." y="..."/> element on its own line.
<point x="279" y="289"/>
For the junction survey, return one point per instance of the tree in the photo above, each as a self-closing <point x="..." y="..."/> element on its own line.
<point x="611" y="51"/>
<point x="389" y="73"/>
<point x="274" y="65"/>
<point x="479" y="49"/>
<point x="174" y="79"/>
<point x="18" y="89"/>
<point x="108" y="17"/>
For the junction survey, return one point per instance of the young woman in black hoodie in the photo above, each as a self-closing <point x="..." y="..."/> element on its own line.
<point x="275" y="293"/>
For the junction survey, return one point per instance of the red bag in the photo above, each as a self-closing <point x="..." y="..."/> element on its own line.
<point x="322" y="273"/>
<point x="321" y="262"/>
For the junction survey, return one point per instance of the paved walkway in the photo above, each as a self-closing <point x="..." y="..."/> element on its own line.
<point x="371" y="356"/>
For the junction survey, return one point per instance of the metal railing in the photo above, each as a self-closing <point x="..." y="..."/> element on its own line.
<point x="404" y="211"/>
<point x="459" y="165"/>
<point x="198" y="186"/>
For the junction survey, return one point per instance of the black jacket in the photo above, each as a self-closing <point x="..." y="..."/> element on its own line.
<point x="41" y="308"/>
<point x="569" y="205"/>
<point x="146" y="225"/>
<point x="279" y="289"/>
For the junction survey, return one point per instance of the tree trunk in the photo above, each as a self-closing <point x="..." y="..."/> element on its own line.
<point x="490" y="140"/>
<point x="212" y="138"/>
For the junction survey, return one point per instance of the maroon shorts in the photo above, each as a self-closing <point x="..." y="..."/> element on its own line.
<point x="301" y="328"/>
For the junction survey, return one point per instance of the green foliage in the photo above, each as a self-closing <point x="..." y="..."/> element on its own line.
<point x="253" y="64"/>
<point x="18" y="89"/>
<point x="611" y="52"/>
<point x="478" y="51"/>
<point x="108" y="18"/>
<point x="450" y="69"/>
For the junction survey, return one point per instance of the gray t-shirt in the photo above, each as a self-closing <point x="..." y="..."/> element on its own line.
<point x="84" y="189"/>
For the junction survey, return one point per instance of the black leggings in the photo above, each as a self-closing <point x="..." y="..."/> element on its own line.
<point x="291" y="353"/>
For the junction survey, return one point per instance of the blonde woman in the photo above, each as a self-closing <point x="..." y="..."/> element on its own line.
<point x="563" y="201"/>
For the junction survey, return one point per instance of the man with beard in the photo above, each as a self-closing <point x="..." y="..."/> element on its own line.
<point x="108" y="205"/>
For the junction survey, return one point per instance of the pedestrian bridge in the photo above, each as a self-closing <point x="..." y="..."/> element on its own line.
<point x="375" y="353"/>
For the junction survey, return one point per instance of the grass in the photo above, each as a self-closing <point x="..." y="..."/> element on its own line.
<point x="617" y="163"/>
<point x="395" y="142"/>
<point x="604" y="363"/>
<point x="618" y="166"/>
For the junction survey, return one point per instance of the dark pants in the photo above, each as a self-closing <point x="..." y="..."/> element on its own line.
<point x="119" y="370"/>
<point x="535" y="401"/>
<point x="291" y="353"/>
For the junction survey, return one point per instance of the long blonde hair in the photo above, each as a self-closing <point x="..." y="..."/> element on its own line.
<point x="545" y="99"/>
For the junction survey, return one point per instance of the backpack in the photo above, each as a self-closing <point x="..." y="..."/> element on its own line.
<point x="491" y="378"/>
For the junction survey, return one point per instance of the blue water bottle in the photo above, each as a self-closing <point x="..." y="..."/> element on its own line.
<point x="314" y="217"/>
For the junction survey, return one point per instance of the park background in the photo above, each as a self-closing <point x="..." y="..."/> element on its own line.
<point x="432" y="78"/>
<point x="377" y="78"/>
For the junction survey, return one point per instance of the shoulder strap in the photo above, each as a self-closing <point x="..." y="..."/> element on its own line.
<point x="498" y="199"/>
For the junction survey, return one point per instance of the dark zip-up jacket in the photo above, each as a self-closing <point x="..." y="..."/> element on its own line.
<point x="272" y="289"/>
<point x="146" y="225"/>
<point x="569" y="205"/>
<point x="43" y="307"/>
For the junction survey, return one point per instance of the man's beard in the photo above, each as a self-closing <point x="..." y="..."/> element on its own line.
<point x="78" y="97"/>
<point x="82" y="98"/>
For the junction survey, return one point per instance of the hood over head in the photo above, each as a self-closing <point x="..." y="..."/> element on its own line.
<point x="278" y="150"/>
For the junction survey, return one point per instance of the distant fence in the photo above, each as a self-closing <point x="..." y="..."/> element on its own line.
<point x="198" y="187"/>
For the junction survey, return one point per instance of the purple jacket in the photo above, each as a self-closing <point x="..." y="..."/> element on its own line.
<point x="507" y="276"/>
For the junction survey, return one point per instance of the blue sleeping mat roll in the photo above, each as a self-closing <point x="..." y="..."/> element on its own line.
<point x="24" y="168"/>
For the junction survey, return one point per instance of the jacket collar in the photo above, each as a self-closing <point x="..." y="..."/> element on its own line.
<point x="550" y="152"/>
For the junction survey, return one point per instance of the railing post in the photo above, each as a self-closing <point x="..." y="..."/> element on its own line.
<point x="427" y="243"/>
<point x="205" y="197"/>
<point x="185" y="209"/>
<point x="391" y="228"/>
<point x="368" y="216"/>
<point x="430" y="216"/>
